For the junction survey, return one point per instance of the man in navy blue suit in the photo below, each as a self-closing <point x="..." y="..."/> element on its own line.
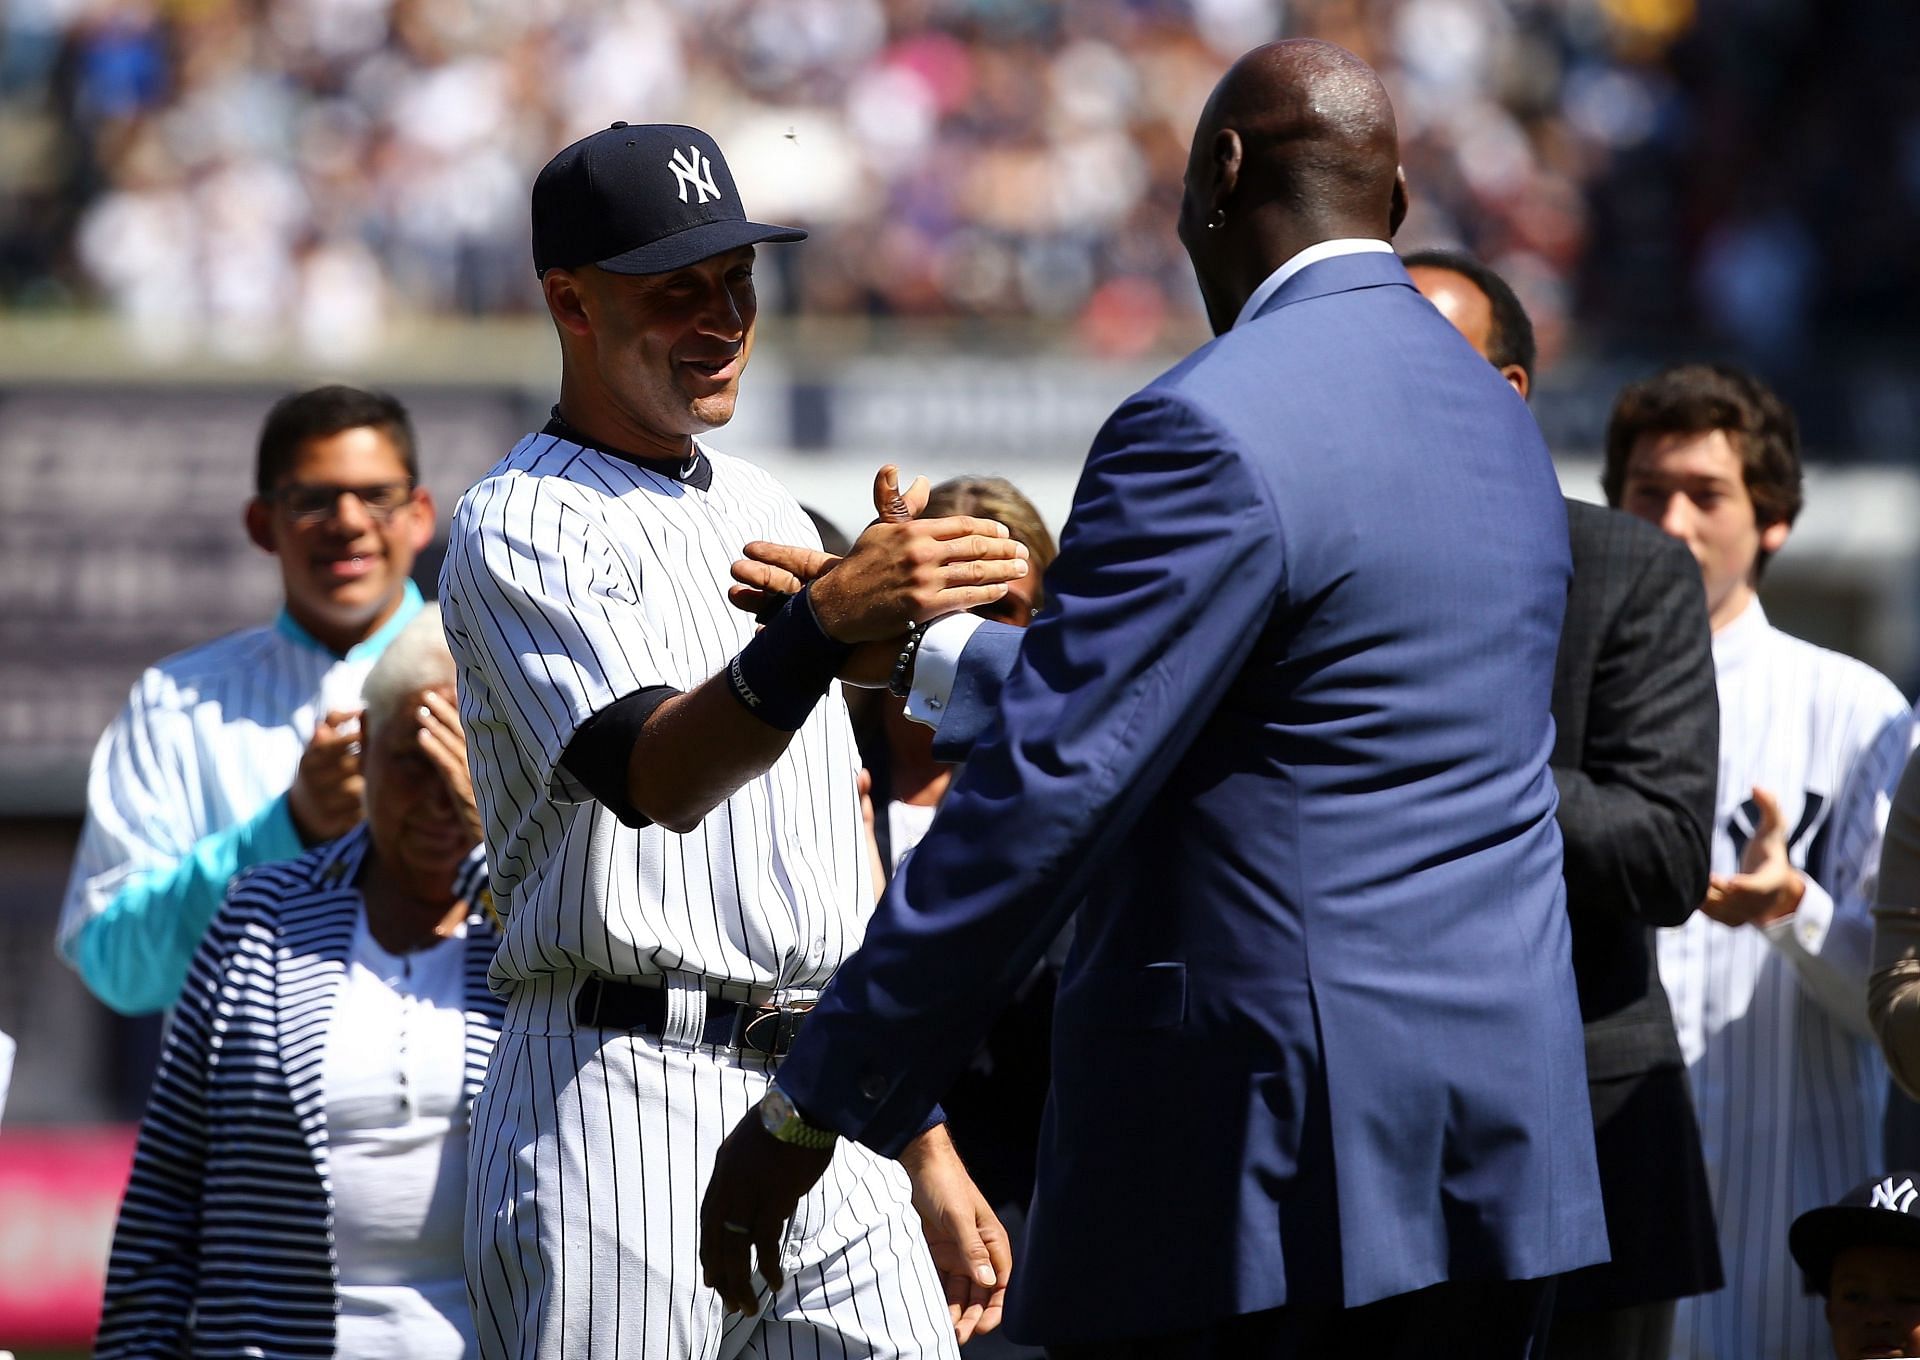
<point x="1318" y="1076"/>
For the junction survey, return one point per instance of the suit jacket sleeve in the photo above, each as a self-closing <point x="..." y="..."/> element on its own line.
<point x="985" y="663"/>
<point x="1170" y="569"/>
<point x="1637" y="813"/>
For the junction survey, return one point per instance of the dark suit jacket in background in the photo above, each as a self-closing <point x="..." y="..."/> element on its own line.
<point x="1284" y="729"/>
<point x="1635" y="755"/>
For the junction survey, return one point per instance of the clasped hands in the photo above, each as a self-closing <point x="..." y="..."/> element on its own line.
<point x="901" y="571"/>
<point x="1767" y="887"/>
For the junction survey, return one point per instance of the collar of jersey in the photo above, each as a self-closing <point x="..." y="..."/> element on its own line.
<point x="1737" y="641"/>
<point x="696" y="471"/>
<point x="367" y="648"/>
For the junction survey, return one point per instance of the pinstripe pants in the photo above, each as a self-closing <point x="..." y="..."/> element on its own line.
<point x="591" y="1152"/>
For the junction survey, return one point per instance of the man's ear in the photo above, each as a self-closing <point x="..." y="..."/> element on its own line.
<point x="1398" y="212"/>
<point x="1227" y="154"/>
<point x="1774" y="536"/>
<point x="565" y="301"/>
<point x="422" y="519"/>
<point x="259" y="521"/>
<point x="1516" y="377"/>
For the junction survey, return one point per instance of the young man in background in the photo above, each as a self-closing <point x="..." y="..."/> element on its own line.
<point x="244" y="750"/>
<point x="1768" y="981"/>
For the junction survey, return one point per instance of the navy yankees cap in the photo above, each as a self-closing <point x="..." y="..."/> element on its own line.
<point x="1883" y="1212"/>
<point x="641" y="199"/>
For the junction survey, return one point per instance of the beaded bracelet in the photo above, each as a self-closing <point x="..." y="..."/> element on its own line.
<point x="900" y="683"/>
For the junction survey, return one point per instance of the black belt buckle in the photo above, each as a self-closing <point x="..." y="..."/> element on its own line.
<point x="772" y="1029"/>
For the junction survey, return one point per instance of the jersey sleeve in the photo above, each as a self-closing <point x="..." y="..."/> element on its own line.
<point x="144" y="884"/>
<point x="548" y="613"/>
<point x="134" y="954"/>
<point x="137" y="818"/>
<point x="1829" y="939"/>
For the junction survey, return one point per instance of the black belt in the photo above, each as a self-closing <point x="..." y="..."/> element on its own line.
<point x="604" y="1003"/>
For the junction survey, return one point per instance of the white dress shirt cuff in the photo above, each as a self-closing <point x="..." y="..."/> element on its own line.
<point x="1807" y="940"/>
<point x="1804" y="929"/>
<point x="936" y="664"/>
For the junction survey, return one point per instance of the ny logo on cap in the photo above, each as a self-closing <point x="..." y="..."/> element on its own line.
<point x="1887" y="1195"/>
<point x="694" y="169"/>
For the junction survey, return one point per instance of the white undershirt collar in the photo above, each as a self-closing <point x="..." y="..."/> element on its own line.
<point x="1738" y="638"/>
<point x="1313" y="254"/>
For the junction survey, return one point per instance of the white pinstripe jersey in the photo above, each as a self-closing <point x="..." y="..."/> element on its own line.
<point x="573" y="578"/>
<point x="1787" y="1084"/>
<point x="208" y="737"/>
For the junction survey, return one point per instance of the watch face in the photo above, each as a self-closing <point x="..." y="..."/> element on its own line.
<point x="781" y="1119"/>
<point x="776" y="1111"/>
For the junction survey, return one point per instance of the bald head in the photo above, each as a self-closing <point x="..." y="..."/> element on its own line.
<point x="1312" y="116"/>
<point x="1296" y="145"/>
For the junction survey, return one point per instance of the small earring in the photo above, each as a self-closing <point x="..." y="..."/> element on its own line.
<point x="1218" y="220"/>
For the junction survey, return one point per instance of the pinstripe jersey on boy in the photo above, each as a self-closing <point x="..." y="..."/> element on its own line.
<point x="1787" y="1084"/>
<point x="575" y="577"/>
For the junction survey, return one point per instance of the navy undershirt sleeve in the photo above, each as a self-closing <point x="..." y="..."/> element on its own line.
<point x="602" y="747"/>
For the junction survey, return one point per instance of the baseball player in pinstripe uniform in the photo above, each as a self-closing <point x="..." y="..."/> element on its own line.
<point x="1768" y="980"/>
<point x="243" y="751"/>
<point x="671" y="813"/>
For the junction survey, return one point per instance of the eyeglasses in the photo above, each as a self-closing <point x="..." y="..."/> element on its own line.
<point x="310" y="503"/>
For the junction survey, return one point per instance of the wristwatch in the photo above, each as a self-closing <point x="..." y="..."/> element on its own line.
<point x="779" y="1118"/>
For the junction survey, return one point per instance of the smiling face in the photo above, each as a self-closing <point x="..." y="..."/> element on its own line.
<point x="1694" y="487"/>
<point x="411" y="815"/>
<point x="344" y="567"/>
<point x="661" y="353"/>
<point x="1873" y="1302"/>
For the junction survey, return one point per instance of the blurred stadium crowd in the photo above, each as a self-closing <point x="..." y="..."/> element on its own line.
<point x="240" y="173"/>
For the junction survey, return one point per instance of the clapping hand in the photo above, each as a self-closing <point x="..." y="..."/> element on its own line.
<point x="325" y="800"/>
<point x="1767" y="886"/>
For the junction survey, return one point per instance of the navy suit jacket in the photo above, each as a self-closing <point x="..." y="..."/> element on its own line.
<point x="1284" y="730"/>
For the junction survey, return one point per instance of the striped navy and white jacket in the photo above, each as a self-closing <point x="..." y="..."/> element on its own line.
<point x="225" y="1241"/>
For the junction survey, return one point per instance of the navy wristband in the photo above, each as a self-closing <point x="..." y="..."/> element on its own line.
<point x="783" y="672"/>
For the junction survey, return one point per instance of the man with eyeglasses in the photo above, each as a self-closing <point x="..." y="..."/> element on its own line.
<point x="245" y="750"/>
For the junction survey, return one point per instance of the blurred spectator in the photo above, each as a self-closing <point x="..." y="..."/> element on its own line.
<point x="242" y="751"/>
<point x="993" y="1109"/>
<point x="321" y="1065"/>
<point x="298" y="172"/>
<point x="908" y="783"/>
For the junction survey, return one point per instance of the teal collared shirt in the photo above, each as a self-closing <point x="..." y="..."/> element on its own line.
<point x="370" y="647"/>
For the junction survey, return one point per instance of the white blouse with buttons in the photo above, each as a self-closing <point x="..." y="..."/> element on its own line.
<point x="397" y="1152"/>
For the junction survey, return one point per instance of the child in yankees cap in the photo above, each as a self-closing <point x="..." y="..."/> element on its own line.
<point x="1863" y="1255"/>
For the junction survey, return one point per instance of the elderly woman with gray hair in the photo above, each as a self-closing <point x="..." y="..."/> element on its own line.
<point x="298" y="1186"/>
